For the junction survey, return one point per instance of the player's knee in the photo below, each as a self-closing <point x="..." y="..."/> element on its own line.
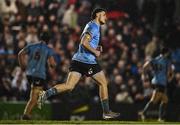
<point x="104" y="83"/>
<point x="153" y="101"/>
<point x="165" y="101"/>
<point x="33" y="99"/>
<point x="70" y="88"/>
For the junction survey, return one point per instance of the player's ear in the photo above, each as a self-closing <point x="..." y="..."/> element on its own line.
<point x="98" y="14"/>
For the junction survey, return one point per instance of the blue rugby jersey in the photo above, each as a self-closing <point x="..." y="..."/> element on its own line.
<point x="83" y="55"/>
<point x="160" y="68"/>
<point x="38" y="55"/>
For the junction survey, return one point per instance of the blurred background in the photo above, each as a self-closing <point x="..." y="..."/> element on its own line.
<point x="135" y="32"/>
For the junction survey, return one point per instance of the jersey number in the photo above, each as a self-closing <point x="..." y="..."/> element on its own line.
<point x="37" y="55"/>
<point x="157" y="67"/>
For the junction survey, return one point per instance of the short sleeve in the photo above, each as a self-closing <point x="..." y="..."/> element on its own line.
<point x="169" y="63"/>
<point x="51" y="52"/>
<point x="27" y="49"/>
<point x="152" y="61"/>
<point x="92" y="30"/>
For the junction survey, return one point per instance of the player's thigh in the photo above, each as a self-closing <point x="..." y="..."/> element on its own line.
<point x="156" y="96"/>
<point x="35" y="91"/>
<point x="73" y="78"/>
<point x="164" y="98"/>
<point x="37" y="85"/>
<point x="100" y="78"/>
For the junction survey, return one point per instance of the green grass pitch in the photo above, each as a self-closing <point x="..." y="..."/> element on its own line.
<point x="39" y="122"/>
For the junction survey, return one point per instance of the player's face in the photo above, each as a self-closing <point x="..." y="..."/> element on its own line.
<point x="102" y="17"/>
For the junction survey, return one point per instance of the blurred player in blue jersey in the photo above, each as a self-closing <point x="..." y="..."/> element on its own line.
<point x="162" y="72"/>
<point x="84" y="63"/>
<point x="39" y="58"/>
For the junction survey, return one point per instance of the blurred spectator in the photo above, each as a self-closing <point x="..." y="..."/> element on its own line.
<point x="21" y="9"/>
<point x="177" y="10"/>
<point x="84" y="13"/>
<point x="70" y="17"/>
<point x="8" y="8"/>
<point x="152" y="48"/>
<point x="32" y="9"/>
<point x="5" y="82"/>
<point x="32" y="36"/>
<point x="19" y="84"/>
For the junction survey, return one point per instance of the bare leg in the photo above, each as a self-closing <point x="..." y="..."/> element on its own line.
<point x="154" y="99"/>
<point x="32" y="100"/>
<point x="102" y="82"/>
<point x="103" y="93"/>
<point x="163" y="106"/>
<point x="72" y="80"/>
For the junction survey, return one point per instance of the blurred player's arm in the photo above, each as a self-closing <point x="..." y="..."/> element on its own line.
<point x="52" y="67"/>
<point x="170" y="72"/>
<point x="51" y="62"/>
<point x="100" y="48"/>
<point x="146" y="66"/>
<point x="22" y="59"/>
<point x="85" y="42"/>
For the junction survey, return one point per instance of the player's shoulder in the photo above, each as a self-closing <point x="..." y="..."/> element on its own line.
<point x="34" y="44"/>
<point x="153" y="60"/>
<point x="92" y="24"/>
<point x="42" y="45"/>
<point x="47" y="48"/>
<point x="157" y="58"/>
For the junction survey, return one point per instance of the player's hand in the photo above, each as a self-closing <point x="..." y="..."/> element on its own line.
<point x="97" y="53"/>
<point x="99" y="48"/>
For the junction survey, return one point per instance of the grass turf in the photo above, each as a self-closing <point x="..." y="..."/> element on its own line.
<point x="85" y="122"/>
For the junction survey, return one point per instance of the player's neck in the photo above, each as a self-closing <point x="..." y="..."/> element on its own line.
<point x="42" y="42"/>
<point x="97" y="21"/>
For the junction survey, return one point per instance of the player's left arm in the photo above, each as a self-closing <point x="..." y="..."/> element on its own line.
<point x="85" y="41"/>
<point x="22" y="59"/>
<point x="51" y="59"/>
<point x="100" y="48"/>
<point x="51" y="62"/>
<point x="170" y="72"/>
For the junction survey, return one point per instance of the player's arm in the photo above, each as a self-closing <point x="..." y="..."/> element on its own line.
<point x="100" y="48"/>
<point x="51" y="62"/>
<point x="85" y="42"/>
<point x="170" y="72"/>
<point x="146" y="66"/>
<point x="51" y="65"/>
<point x="22" y="59"/>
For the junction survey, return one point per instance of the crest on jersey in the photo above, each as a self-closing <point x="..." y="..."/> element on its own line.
<point x="90" y="71"/>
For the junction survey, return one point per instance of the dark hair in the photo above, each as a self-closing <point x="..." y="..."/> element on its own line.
<point x="164" y="50"/>
<point x="45" y="36"/>
<point x="96" y="10"/>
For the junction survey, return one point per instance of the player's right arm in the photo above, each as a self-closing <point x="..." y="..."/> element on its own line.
<point x="22" y="59"/>
<point x="146" y="66"/>
<point x="85" y="42"/>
